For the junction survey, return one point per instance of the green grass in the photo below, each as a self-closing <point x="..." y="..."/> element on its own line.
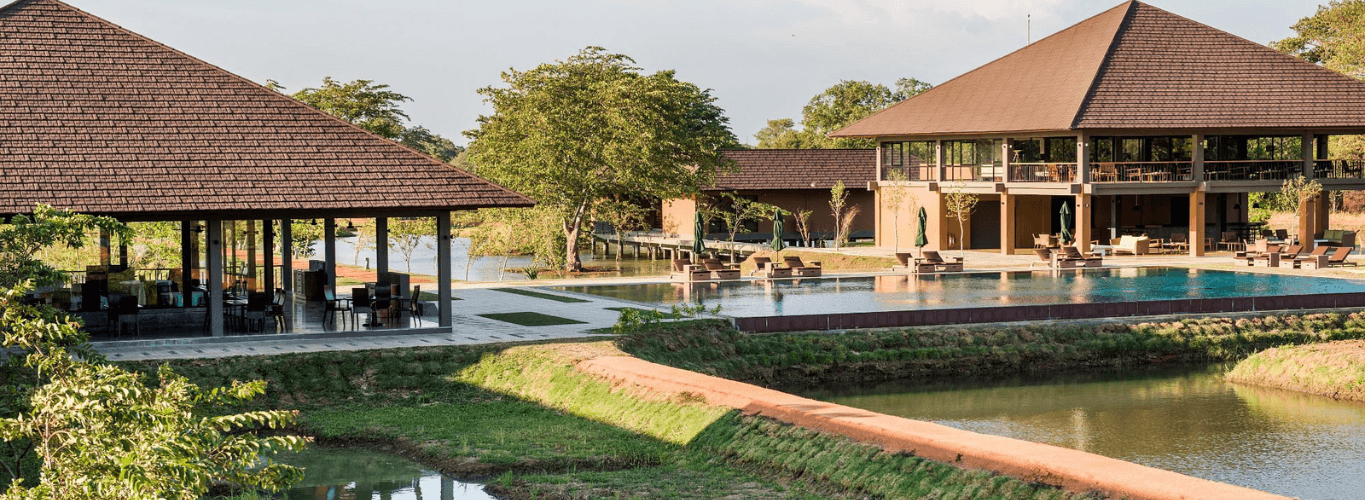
<point x="539" y="295"/>
<point x="1334" y="369"/>
<point x="793" y="360"/>
<point x="531" y="319"/>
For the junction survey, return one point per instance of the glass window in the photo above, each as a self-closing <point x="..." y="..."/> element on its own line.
<point x="1102" y="149"/>
<point x="1061" y="149"/>
<point x="907" y="153"/>
<point x="963" y="153"/>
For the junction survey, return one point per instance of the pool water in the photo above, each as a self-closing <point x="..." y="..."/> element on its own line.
<point x="1183" y="419"/>
<point x="754" y="298"/>
<point x="358" y="473"/>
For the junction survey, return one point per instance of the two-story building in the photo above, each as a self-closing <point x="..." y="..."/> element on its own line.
<point x="1137" y="119"/>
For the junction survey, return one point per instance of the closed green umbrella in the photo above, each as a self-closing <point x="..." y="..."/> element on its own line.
<point x="921" y="228"/>
<point x="778" y="243"/>
<point x="698" y="234"/>
<point x="1066" y="224"/>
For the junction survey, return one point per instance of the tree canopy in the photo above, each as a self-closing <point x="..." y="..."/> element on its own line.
<point x="595" y="127"/>
<point x="837" y="107"/>
<point x="373" y="107"/>
<point x="1333" y="37"/>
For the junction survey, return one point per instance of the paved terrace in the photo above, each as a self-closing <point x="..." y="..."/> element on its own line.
<point x="476" y="299"/>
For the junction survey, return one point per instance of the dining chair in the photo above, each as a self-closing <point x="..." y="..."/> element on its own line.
<point x="360" y="299"/>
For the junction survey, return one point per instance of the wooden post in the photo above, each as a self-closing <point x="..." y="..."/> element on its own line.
<point x="187" y="258"/>
<point x="1197" y="223"/>
<point x="268" y="245"/>
<point x="1306" y="210"/>
<point x="1006" y="223"/>
<point x="251" y="255"/>
<point x="214" y="294"/>
<point x="381" y="246"/>
<point x="1082" y="233"/>
<point x="443" y="267"/>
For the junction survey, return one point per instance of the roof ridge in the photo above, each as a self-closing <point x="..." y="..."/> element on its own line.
<point x="993" y="61"/>
<point x="275" y="95"/>
<point x="1104" y="62"/>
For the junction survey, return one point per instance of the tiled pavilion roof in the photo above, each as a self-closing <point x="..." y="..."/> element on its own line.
<point x="767" y="169"/>
<point x="1133" y="67"/>
<point x="98" y="119"/>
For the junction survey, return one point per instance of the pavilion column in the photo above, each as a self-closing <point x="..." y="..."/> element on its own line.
<point x="1323" y="219"/>
<point x="1006" y="223"/>
<point x="941" y="174"/>
<point x="1197" y="155"/>
<point x="1197" y="223"/>
<point x="1005" y="145"/>
<point x="268" y="246"/>
<point x="1306" y="210"/>
<point x="214" y="294"/>
<point x="287" y="256"/>
<point x="443" y="273"/>
<point x="1083" y="166"/>
<point x="187" y="258"/>
<point x="329" y="250"/>
<point x="251" y="283"/>
<point x="381" y="246"/>
<point x="1082" y="222"/>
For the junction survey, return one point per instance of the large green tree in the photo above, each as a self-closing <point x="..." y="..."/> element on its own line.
<point x="594" y="127"/>
<point x="1333" y="37"/>
<point x="837" y="107"/>
<point x="372" y="106"/>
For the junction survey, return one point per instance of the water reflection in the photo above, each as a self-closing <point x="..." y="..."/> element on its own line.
<point x="1185" y="420"/>
<point x="484" y="268"/>
<point x="359" y="474"/>
<point x="749" y="298"/>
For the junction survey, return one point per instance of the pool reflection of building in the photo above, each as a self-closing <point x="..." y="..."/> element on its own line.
<point x="422" y="487"/>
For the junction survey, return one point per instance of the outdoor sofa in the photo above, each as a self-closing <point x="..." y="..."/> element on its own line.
<point x="1134" y="245"/>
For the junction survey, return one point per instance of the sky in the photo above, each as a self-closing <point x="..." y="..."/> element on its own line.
<point x="762" y="59"/>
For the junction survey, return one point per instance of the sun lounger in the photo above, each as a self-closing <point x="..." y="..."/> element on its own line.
<point x="905" y="262"/>
<point x="1271" y="258"/>
<point x="684" y="271"/>
<point x="1338" y="257"/>
<point x="1044" y="257"/>
<point x="720" y="271"/>
<point x="1071" y="258"/>
<point x="766" y="268"/>
<point x="932" y="262"/>
<point x="1315" y="260"/>
<point x="800" y="269"/>
<point x="1267" y="250"/>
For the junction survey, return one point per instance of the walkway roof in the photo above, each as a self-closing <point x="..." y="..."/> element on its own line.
<point x="98" y="119"/>
<point x="783" y="169"/>
<point x="1133" y="67"/>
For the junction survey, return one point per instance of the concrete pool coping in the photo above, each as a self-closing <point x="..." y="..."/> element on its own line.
<point x="1070" y="469"/>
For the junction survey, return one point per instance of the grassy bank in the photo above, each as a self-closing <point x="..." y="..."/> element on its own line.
<point x="1334" y="369"/>
<point x="526" y="416"/>
<point x="796" y="360"/>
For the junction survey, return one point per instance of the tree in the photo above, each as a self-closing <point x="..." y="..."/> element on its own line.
<point x="364" y="240"/>
<point x="1298" y="192"/>
<point x="1335" y="38"/>
<point x="959" y="205"/>
<point x="740" y="211"/>
<point x="302" y="234"/>
<point x="431" y="143"/>
<point x="838" y="206"/>
<point x="26" y="235"/>
<point x="837" y="107"/>
<point x="405" y="235"/>
<point x="368" y="105"/>
<point x="101" y="433"/>
<point x="894" y="195"/>
<point x="801" y="218"/>
<point x="622" y="216"/>
<point x="573" y="133"/>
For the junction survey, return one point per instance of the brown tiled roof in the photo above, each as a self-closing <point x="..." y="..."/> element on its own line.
<point x="766" y="169"/>
<point x="98" y="119"/>
<point x="1132" y="67"/>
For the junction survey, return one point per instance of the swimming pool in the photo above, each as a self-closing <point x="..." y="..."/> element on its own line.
<point x="1001" y="296"/>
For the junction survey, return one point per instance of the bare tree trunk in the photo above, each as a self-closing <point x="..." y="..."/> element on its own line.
<point x="961" y="239"/>
<point x="571" y="229"/>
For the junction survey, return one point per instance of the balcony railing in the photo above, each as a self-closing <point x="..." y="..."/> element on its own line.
<point x="1042" y="172"/>
<point x="1252" y="170"/>
<point x="974" y="173"/>
<point x="1339" y="169"/>
<point x="1152" y="171"/>
<point x="916" y="173"/>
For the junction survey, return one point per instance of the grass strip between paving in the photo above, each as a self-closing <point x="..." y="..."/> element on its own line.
<point x="540" y="295"/>
<point x="531" y="319"/>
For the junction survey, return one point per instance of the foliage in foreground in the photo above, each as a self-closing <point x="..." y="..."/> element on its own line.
<point x="796" y="359"/>
<point x="1334" y="369"/>
<point x="101" y="433"/>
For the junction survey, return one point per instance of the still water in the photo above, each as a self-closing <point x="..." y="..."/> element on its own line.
<point x="1187" y="420"/>
<point x="752" y="298"/>
<point x="486" y="268"/>
<point x="360" y="474"/>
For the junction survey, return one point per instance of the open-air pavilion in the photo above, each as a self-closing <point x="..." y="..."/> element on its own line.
<point x="1137" y="120"/>
<point x="97" y="119"/>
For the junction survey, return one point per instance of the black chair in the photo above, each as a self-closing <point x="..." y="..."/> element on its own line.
<point x="360" y="299"/>
<point x="383" y="301"/>
<point x="123" y="309"/>
<point x="415" y="306"/>
<point x="333" y="305"/>
<point x="276" y="311"/>
<point x="257" y="310"/>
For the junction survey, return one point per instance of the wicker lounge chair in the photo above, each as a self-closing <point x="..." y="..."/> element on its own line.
<point x="1317" y="259"/>
<point x="904" y="262"/>
<point x="1071" y="258"/>
<point x="800" y="269"/>
<point x="1270" y="258"/>
<point x="720" y="271"/>
<point x="932" y="262"/>
<point x="1044" y="257"/>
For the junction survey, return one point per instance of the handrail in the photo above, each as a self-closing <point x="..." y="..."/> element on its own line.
<point x="1143" y="171"/>
<point x="1252" y="170"/>
<point x="919" y="173"/>
<point x="1043" y="172"/>
<point x="974" y="173"/>
<point x="1353" y="168"/>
